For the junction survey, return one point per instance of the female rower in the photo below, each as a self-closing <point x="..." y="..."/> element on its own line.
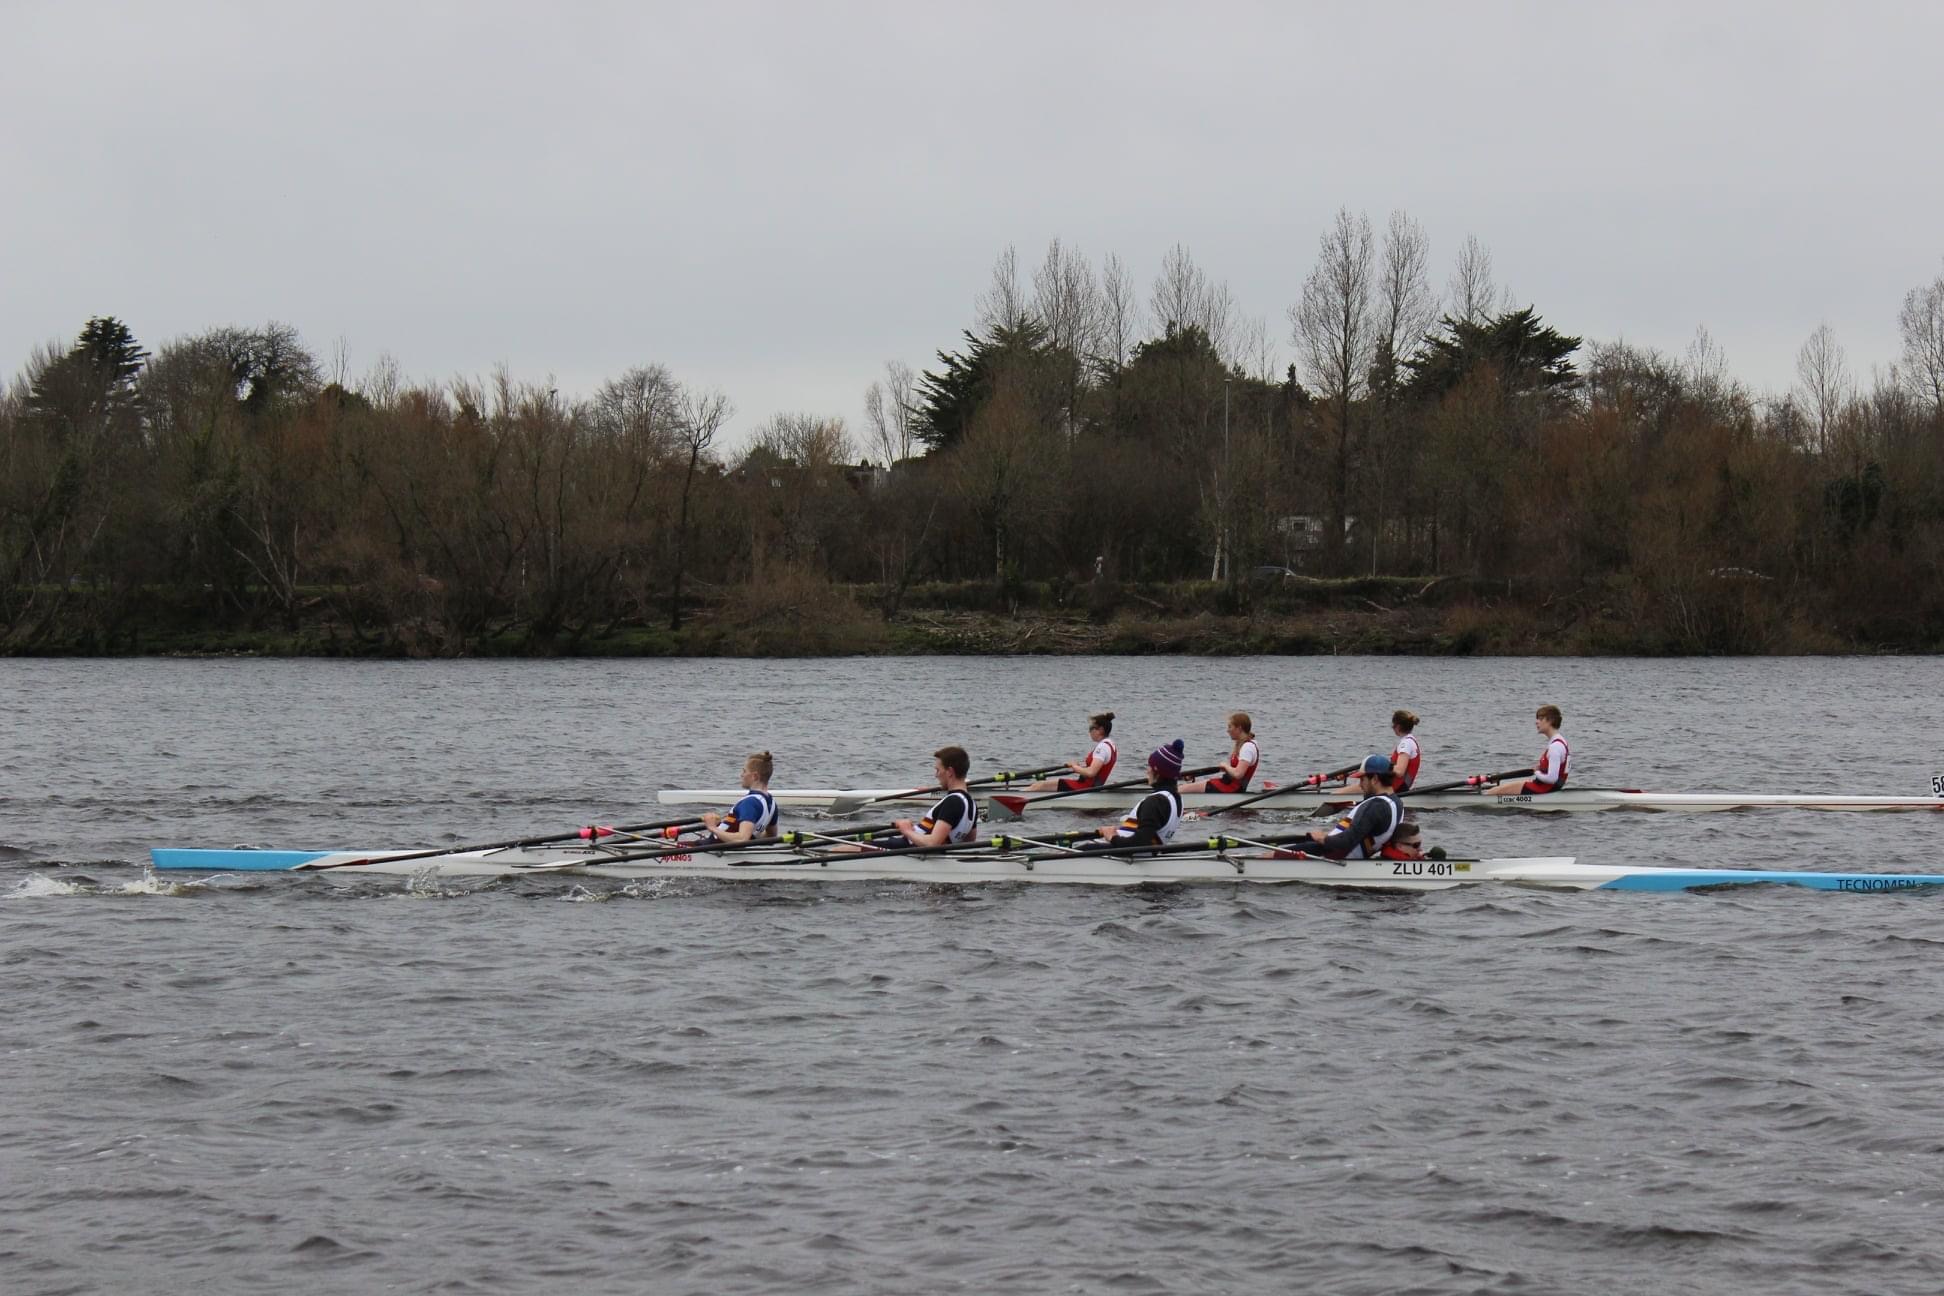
<point x="1549" y="774"/>
<point x="1405" y="754"/>
<point x="754" y="815"/>
<point x="1240" y="767"/>
<point x="955" y="816"/>
<point x="1154" y="818"/>
<point x="1093" y="771"/>
<point x="1368" y="829"/>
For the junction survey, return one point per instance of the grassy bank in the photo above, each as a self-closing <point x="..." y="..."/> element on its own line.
<point x="1373" y="615"/>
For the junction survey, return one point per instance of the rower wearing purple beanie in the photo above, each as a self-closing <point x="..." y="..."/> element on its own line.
<point x="1154" y="818"/>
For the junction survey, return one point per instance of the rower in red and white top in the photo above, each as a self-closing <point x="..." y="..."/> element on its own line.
<point x="1094" y="770"/>
<point x="1406" y="756"/>
<point x="955" y="816"/>
<point x="1549" y="773"/>
<point x="1240" y="766"/>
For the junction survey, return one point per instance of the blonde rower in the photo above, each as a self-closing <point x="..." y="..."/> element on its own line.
<point x="1240" y="767"/>
<point x="754" y="815"/>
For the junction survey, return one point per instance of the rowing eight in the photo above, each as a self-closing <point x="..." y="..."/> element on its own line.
<point x="989" y="865"/>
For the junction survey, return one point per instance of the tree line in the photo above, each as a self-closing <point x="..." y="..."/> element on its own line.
<point x="1080" y="431"/>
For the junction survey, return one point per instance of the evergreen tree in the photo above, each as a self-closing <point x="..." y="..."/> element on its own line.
<point x="92" y="383"/>
<point x="948" y="399"/>
<point x="1527" y="354"/>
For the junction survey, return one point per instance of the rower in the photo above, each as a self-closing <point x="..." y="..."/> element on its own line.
<point x="754" y="815"/>
<point x="1406" y="756"/>
<point x="1154" y="818"/>
<point x="1371" y="826"/>
<point x="1241" y="764"/>
<point x="1093" y="771"/>
<point x="1549" y="774"/>
<point x="1407" y="843"/>
<point x="955" y="816"/>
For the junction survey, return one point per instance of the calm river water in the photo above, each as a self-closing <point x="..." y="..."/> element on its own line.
<point x="277" y="1084"/>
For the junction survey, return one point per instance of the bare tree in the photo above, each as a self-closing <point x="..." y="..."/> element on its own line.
<point x="1708" y="379"/>
<point x="702" y="416"/>
<point x="1335" y="333"/>
<point x="1256" y="350"/>
<point x="1002" y="304"/>
<point x="640" y="410"/>
<point x="806" y="440"/>
<point x="1473" y="294"/>
<point x="1406" y="306"/>
<point x="889" y="413"/>
<point x="1823" y="379"/>
<point x="1183" y="297"/>
<point x="1120" y="315"/>
<point x="1922" y="321"/>
<point x="1066" y="299"/>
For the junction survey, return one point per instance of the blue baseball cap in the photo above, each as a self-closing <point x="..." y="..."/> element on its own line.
<point x="1375" y="765"/>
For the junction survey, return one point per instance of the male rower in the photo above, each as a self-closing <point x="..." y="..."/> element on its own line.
<point x="1235" y="772"/>
<point x="754" y="815"/>
<point x="955" y="816"/>
<point x="1549" y="774"/>
<point x="1372" y="825"/>
<point x="1406" y="756"/>
<point x="1154" y="818"/>
<point x="1407" y="843"/>
<point x="1093" y="771"/>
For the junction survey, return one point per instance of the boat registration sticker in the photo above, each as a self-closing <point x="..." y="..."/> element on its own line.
<point x="1428" y="868"/>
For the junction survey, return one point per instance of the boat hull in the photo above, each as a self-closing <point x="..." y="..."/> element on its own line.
<point x="1309" y="801"/>
<point x="1558" y="873"/>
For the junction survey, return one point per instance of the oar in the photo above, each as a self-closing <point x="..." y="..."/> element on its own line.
<point x="1014" y="806"/>
<point x="851" y="805"/>
<point x="799" y="838"/>
<point x="1475" y="781"/>
<point x="1313" y="781"/>
<point x="1019" y="776"/>
<point x="592" y="833"/>
<point x="661" y="852"/>
<point x="704" y="847"/>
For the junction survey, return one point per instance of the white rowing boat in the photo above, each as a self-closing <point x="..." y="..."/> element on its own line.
<point x="1306" y="800"/>
<point x="985" y="865"/>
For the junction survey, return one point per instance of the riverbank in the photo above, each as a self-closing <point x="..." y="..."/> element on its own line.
<point x="1291" y="616"/>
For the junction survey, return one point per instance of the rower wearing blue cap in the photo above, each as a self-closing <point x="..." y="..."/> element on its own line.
<point x="1367" y="829"/>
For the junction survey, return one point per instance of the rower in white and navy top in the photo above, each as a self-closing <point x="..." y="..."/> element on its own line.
<point x="1406" y="756"/>
<point x="1094" y="770"/>
<point x="1154" y="818"/>
<point x="1549" y="775"/>
<point x="753" y="817"/>
<point x="1367" y="829"/>
<point x="955" y="816"/>
<point x="1240" y="767"/>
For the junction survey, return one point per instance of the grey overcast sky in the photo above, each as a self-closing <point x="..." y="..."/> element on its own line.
<point x="774" y="199"/>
